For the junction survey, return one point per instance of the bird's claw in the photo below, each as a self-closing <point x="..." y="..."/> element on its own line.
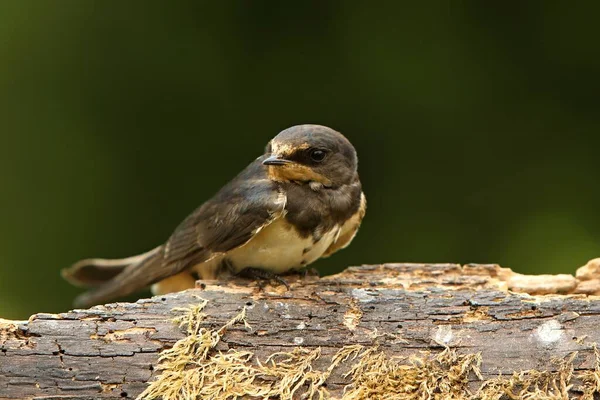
<point x="261" y="276"/>
<point x="309" y="271"/>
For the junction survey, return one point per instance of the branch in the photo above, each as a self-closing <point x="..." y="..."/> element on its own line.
<point x="464" y="330"/>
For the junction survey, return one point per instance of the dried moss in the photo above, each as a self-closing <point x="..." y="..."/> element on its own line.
<point x="444" y="376"/>
<point x="194" y="369"/>
<point x="532" y="384"/>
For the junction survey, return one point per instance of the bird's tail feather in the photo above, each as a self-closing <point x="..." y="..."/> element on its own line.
<point x="93" y="272"/>
<point x="145" y="270"/>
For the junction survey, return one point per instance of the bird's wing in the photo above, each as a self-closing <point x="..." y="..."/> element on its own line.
<point x="228" y="220"/>
<point x="349" y="229"/>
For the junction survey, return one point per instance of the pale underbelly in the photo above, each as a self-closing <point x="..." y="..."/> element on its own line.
<point x="279" y="248"/>
<point x="276" y="248"/>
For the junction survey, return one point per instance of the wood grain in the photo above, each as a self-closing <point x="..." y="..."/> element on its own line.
<point x="111" y="351"/>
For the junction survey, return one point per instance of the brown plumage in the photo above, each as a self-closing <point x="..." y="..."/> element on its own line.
<point x="300" y="201"/>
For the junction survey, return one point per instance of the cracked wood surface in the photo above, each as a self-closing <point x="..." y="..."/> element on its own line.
<point x="517" y="322"/>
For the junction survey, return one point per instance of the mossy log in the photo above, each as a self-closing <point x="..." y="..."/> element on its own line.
<point x="460" y="331"/>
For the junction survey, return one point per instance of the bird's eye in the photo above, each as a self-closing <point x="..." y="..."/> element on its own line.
<point x="317" y="155"/>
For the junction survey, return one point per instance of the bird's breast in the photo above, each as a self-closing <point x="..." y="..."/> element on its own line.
<point x="279" y="247"/>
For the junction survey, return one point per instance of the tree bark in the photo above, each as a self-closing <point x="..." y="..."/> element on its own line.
<point x="515" y="322"/>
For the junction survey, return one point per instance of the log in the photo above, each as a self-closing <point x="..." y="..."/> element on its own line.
<point x="384" y="331"/>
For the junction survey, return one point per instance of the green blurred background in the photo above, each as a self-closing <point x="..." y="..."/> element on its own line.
<point x="476" y="123"/>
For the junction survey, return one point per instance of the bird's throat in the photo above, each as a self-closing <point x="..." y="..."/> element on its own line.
<point x="296" y="172"/>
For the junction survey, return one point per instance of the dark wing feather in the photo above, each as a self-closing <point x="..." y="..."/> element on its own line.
<point x="228" y="220"/>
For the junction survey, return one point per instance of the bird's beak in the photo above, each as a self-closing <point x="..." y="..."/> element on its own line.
<point x="275" y="160"/>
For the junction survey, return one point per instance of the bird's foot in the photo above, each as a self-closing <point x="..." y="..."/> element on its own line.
<point x="304" y="272"/>
<point x="309" y="271"/>
<point x="263" y="276"/>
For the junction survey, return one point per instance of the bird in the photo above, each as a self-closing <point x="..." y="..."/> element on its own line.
<point x="300" y="201"/>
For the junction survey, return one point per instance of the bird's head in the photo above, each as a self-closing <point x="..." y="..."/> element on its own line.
<point x="313" y="154"/>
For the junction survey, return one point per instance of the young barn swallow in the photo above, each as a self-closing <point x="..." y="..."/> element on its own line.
<point x="298" y="202"/>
